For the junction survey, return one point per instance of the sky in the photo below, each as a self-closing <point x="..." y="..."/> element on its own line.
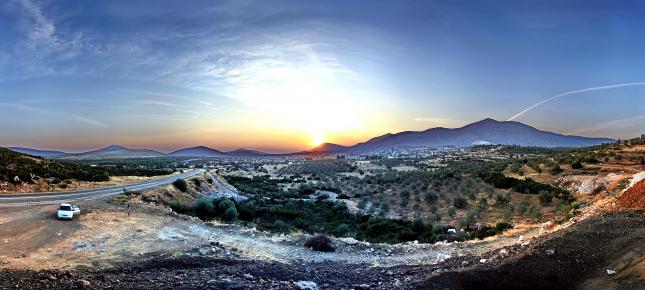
<point x="284" y="76"/>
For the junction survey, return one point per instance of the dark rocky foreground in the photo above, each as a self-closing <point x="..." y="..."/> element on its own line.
<point x="214" y="273"/>
<point x="582" y="256"/>
<point x="574" y="258"/>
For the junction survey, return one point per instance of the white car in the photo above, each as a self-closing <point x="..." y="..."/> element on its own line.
<point x="67" y="211"/>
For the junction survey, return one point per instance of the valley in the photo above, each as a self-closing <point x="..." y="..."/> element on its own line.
<point x="244" y="222"/>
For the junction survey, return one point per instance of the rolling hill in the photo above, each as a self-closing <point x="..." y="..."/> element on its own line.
<point x="39" y="153"/>
<point x="487" y="131"/>
<point x="243" y="152"/>
<point x="115" y="152"/>
<point x="198" y="151"/>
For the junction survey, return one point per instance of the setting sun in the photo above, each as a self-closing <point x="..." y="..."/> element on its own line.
<point x="317" y="139"/>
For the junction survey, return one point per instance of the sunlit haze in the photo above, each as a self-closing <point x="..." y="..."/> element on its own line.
<point x="288" y="76"/>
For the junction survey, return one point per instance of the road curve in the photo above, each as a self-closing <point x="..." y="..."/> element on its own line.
<point x="87" y="194"/>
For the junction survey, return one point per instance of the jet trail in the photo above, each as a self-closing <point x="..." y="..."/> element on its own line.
<point x="576" y="92"/>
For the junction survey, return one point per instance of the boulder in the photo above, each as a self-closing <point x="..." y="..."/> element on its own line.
<point x="306" y="285"/>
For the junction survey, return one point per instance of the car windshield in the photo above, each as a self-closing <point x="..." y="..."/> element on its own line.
<point x="65" y="207"/>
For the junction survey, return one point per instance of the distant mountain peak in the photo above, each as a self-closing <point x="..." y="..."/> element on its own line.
<point x="486" y="131"/>
<point x="114" y="148"/>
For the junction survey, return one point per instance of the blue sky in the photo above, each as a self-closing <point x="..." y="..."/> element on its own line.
<point x="286" y="75"/>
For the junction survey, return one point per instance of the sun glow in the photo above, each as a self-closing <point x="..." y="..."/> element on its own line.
<point x="317" y="139"/>
<point x="304" y="100"/>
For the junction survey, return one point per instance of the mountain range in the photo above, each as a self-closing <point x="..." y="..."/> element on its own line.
<point x="487" y="131"/>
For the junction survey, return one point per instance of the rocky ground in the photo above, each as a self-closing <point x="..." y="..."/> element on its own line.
<point x="603" y="252"/>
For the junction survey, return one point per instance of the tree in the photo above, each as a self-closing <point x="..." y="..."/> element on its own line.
<point x="452" y="211"/>
<point x="467" y="220"/>
<point x="204" y="208"/>
<point x="535" y="213"/>
<point x="502" y="200"/>
<point x="546" y="197"/>
<point x="342" y="230"/>
<point x="459" y="201"/>
<point x="230" y="214"/>
<point x="431" y="196"/>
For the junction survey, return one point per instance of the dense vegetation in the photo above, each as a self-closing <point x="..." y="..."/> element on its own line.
<point x="318" y="167"/>
<point x="526" y="186"/>
<point x="27" y="167"/>
<point x="317" y="216"/>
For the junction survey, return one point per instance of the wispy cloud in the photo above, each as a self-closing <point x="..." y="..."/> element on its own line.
<point x="40" y="29"/>
<point x="72" y="116"/>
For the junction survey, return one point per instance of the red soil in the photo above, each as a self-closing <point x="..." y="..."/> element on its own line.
<point x="634" y="197"/>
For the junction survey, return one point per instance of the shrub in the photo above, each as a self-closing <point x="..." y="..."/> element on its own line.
<point x="523" y="206"/>
<point x="320" y="243"/>
<point x="178" y="207"/>
<point x="342" y="230"/>
<point x="467" y="220"/>
<point x="459" y="201"/>
<point x="556" y="169"/>
<point x="546" y="197"/>
<point x="508" y="213"/>
<point x="224" y="204"/>
<point x="535" y="213"/>
<point x="204" y="208"/>
<point x="197" y="182"/>
<point x="431" y="196"/>
<point x="452" y="211"/>
<point x="180" y="185"/>
<point x="230" y="214"/>
<point x="502" y="200"/>
<point x="362" y="204"/>
<point x="577" y="165"/>
<point x="343" y="196"/>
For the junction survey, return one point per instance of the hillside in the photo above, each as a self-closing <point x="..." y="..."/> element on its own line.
<point x="25" y="173"/>
<point x="198" y="151"/>
<point x="487" y="131"/>
<point x="115" y="152"/>
<point x="39" y="153"/>
<point x="243" y="152"/>
<point x="16" y="167"/>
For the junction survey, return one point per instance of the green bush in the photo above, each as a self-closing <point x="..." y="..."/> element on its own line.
<point x="546" y="197"/>
<point x="230" y="214"/>
<point x="459" y="201"/>
<point x="204" y="208"/>
<point x="179" y="207"/>
<point x="452" y="211"/>
<point x="342" y="230"/>
<point x="431" y="196"/>
<point x="577" y="165"/>
<point x="180" y="185"/>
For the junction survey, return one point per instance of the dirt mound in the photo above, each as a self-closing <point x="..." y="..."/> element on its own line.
<point x="575" y="258"/>
<point x="634" y="197"/>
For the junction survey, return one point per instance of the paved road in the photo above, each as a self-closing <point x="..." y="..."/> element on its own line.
<point x="88" y="194"/>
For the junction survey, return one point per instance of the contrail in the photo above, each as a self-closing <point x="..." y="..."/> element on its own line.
<point x="575" y="92"/>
